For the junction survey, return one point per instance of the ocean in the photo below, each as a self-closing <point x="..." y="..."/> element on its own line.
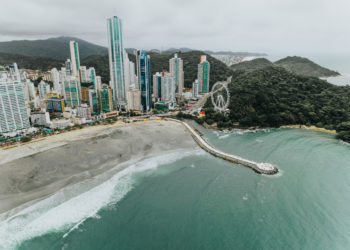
<point x="192" y="200"/>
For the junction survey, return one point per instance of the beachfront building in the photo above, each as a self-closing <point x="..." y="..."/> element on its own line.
<point x="105" y="96"/>
<point x="157" y="86"/>
<point x="91" y="75"/>
<point x="75" y="59"/>
<point x="84" y="111"/>
<point x="94" y="102"/>
<point x="13" y="111"/>
<point x="68" y="67"/>
<point x="44" y="88"/>
<point x="72" y="95"/>
<point x="168" y="87"/>
<point x="134" y="99"/>
<point x="55" y="105"/>
<point x="204" y="75"/>
<point x="116" y="58"/>
<point x="176" y="70"/>
<point x="145" y="81"/>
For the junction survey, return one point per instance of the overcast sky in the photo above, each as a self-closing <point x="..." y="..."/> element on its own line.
<point x="271" y="26"/>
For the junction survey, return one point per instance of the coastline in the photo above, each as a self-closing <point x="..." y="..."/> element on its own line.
<point x="39" y="169"/>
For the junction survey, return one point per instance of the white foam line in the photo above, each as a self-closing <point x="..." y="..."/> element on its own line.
<point x="56" y="213"/>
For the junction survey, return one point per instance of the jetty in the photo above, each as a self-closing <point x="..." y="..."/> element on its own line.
<point x="258" y="167"/>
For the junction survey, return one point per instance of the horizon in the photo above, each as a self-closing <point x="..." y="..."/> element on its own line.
<point x="294" y="27"/>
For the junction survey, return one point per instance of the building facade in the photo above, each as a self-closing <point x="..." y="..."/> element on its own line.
<point x="75" y="59"/>
<point x="145" y="81"/>
<point x="204" y="75"/>
<point x="116" y="60"/>
<point x="176" y="70"/>
<point x="13" y="111"/>
<point x="72" y="95"/>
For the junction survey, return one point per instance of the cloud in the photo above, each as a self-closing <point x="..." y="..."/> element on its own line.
<point x="290" y="26"/>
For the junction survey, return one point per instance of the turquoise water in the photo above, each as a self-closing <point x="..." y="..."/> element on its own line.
<point x="192" y="200"/>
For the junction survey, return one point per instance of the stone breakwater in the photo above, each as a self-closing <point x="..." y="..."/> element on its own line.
<point x="258" y="167"/>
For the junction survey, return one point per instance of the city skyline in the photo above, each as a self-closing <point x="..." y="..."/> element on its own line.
<point x="258" y="26"/>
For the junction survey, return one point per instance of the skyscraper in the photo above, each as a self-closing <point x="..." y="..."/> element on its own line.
<point x="116" y="58"/>
<point x="44" y="88"/>
<point x="75" y="59"/>
<point x="13" y="112"/>
<point x="157" y="86"/>
<point x="55" y="75"/>
<point x="204" y="75"/>
<point x="145" y="81"/>
<point x="72" y="93"/>
<point x="105" y="95"/>
<point x="176" y="70"/>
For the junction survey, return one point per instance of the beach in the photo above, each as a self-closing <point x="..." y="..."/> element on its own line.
<point x="36" y="170"/>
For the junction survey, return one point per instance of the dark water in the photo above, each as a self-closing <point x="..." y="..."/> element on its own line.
<point x="196" y="201"/>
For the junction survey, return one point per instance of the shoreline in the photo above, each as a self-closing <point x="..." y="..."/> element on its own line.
<point x="31" y="172"/>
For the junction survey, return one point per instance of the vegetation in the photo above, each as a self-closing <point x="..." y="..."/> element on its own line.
<point x="255" y="64"/>
<point x="30" y="62"/>
<point x="304" y="66"/>
<point x="56" y="48"/>
<point x="26" y="139"/>
<point x="297" y="65"/>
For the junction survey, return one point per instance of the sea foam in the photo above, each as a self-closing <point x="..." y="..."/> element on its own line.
<point x="57" y="213"/>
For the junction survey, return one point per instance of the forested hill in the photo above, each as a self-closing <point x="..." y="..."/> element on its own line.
<point x="304" y="66"/>
<point x="159" y="62"/>
<point x="30" y="62"/>
<point x="272" y="97"/>
<point x="297" y="65"/>
<point x="55" y="48"/>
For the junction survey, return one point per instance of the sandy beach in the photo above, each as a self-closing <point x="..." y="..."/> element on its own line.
<point x="38" y="169"/>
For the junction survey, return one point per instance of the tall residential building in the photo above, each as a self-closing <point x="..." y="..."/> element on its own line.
<point x="176" y="70"/>
<point x="145" y="81"/>
<point x="44" y="88"/>
<point x="204" y="75"/>
<point x="83" y="74"/>
<point x="195" y="89"/>
<point x="94" y="102"/>
<point x="68" y="67"/>
<point x="55" y="75"/>
<point x="168" y="89"/>
<point x="72" y="93"/>
<point x="105" y="96"/>
<point x="75" y="59"/>
<point x="13" y="112"/>
<point x="14" y="72"/>
<point x="157" y="86"/>
<point x="98" y="82"/>
<point x="134" y="99"/>
<point x="116" y="58"/>
<point x="91" y="74"/>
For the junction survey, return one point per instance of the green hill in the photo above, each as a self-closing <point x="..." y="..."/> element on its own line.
<point x="30" y="62"/>
<point x="159" y="62"/>
<point x="255" y="64"/>
<point x="273" y="96"/>
<point x="56" y="48"/>
<point x="304" y="66"/>
<point x="297" y="65"/>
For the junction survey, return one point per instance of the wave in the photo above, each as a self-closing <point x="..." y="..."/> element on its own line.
<point x="63" y="212"/>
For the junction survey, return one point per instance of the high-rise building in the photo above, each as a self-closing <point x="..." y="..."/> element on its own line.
<point x="176" y="70"/>
<point x="91" y="73"/>
<point x="157" y="86"/>
<point x="13" y="112"/>
<point x="105" y="96"/>
<point x="168" y="89"/>
<point x="94" y="102"/>
<point x="55" y="75"/>
<point x="68" y="67"/>
<point x="98" y="82"/>
<point x="204" y="75"/>
<point x="116" y="58"/>
<point x="44" y="88"/>
<point x="134" y="99"/>
<point x="72" y="95"/>
<point x="145" y="81"/>
<point x="83" y="74"/>
<point x="75" y="59"/>
<point x="84" y="111"/>
<point x="195" y="88"/>
<point x="14" y="72"/>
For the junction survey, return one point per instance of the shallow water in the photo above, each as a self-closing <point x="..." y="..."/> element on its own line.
<point x="196" y="201"/>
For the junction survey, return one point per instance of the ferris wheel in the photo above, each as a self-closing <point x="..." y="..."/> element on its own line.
<point x="220" y="96"/>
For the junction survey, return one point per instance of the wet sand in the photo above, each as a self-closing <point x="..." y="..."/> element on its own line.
<point x="38" y="169"/>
